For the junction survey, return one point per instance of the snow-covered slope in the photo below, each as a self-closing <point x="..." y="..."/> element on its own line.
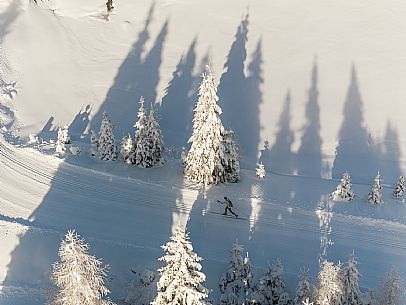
<point x="313" y="80"/>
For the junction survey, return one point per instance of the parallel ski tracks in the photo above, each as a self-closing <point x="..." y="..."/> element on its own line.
<point x="128" y="193"/>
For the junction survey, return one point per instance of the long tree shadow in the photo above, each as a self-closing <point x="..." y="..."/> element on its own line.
<point x="355" y="151"/>
<point x="389" y="155"/>
<point x="309" y="157"/>
<point x="79" y="124"/>
<point x="281" y="155"/>
<point x="240" y="96"/>
<point x="135" y="78"/>
<point x="115" y="214"/>
<point x="176" y="111"/>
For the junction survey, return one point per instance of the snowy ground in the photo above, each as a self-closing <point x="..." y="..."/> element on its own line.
<point x="64" y="62"/>
<point x="126" y="214"/>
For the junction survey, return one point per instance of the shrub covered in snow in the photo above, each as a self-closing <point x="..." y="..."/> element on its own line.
<point x="344" y="189"/>
<point x="399" y="187"/>
<point x="375" y="195"/>
<point x="260" y="171"/>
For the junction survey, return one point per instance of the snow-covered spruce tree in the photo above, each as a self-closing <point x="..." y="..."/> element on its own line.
<point x="94" y="143"/>
<point x="270" y="289"/>
<point x="374" y="195"/>
<point x="143" y="289"/>
<point x="399" y="188"/>
<point x="180" y="280"/>
<point x="79" y="276"/>
<point x="231" y="161"/>
<point x="351" y="293"/>
<point x="304" y="288"/>
<point x="155" y="139"/>
<point x="126" y="147"/>
<point x="344" y="189"/>
<point x="204" y="162"/>
<point x="149" y="147"/>
<point x="107" y="149"/>
<point x="391" y="290"/>
<point x="329" y="286"/>
<point x="235" y="283"/>
<point x="137" y="156"/>
<point x="260" y="171"/>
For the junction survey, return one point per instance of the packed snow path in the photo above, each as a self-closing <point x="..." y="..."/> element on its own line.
<point x="126" y="213"/>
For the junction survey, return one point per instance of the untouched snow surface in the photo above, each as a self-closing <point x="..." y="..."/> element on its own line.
<point x="312" y="80"/>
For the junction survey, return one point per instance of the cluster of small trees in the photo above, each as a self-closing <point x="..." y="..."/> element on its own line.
<point x="145" y="151"/>
<point x="80" y="279"/>
<point x="344" y="190"/>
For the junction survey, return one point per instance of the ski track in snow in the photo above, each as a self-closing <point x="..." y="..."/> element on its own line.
<point x="28" y="176"/>
<point x="40" y="169"/>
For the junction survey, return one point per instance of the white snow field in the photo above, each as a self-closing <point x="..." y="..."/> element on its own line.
<point x="322" y="82"/>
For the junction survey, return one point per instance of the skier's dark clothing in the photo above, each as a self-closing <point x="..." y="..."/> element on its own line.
<point x="229" y="205"/>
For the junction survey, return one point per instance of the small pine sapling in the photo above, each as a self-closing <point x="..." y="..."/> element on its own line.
<point x="260" y="171"/>
<point x="94" y="143"/>
<point x="351" y="294"/>
<point x="107" y="149"/>
<point x="375" y="195"/>
<point x="304" y="288"/>
<point x="126" y="148"/>
<point x="63" y="139"/>
<point x="344" y="189"/>
<point x="399" y="187"/>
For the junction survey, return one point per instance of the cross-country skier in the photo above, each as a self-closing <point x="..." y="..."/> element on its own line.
<point x="229" y="205"/>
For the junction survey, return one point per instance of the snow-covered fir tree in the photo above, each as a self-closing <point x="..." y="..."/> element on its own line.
<point x="63" y="139"/>
<point x="236" y="282"/>
<point x="329" y="286"/>
<point x="137" y="156"/>
<point x="107" y="149"/>
<point x="156" y="142"/>
<point x="204" y="162"/>
<point x="149" y="147"/>
<point x="125" y="148"/>
<point x="260" y="171"/>
<point x="304" y="288"/>
<point x="142" y="289"/>
<point x="391" y="290"/>
<point x="351" y="294"/>
<point x="94" y="143"/>
<point x="344" y="189"/>
<point x="231" y="161"/>
<point x="79" y="276"/>
<point x="375" y="195"/>
<point x="181" y="281"/>
<point x="270" y="289"/>
<point x="399" y="187"/>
